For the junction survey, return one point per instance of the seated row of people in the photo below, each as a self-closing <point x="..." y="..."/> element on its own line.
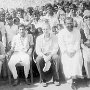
<point x="68" y="40"/>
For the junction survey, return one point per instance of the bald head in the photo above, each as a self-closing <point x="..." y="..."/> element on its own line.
<point x="46" y="28"/>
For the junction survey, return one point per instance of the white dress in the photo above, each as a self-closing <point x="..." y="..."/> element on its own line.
<point x="70" y="41"/>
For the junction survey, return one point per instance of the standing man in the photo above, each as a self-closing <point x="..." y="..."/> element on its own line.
<point x="86" y="42"/>
<point x="21" y="50"/>
<point x="71" y="57"/>
<point x="11" y="31"/>
<point x="2" y="55"/>
<point x="2" y="26"/>
<point x="46" y="49"/>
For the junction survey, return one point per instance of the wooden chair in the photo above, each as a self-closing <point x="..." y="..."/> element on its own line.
<point x="9" y="72"/>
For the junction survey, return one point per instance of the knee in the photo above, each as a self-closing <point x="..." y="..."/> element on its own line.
<point x="39" y="60"/>
<point x="55" y="57"/>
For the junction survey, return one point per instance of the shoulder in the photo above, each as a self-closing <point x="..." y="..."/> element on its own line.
<point x="16" y="37"/>
<point x="16" y="26"/>
<point x="29" y="35"/>
<point x="40" y="37"/>
<point x="1" y="24"/>
<point x="6" y="26"/>
<point x="1" y="44"/>
<point x="62" y="32"/>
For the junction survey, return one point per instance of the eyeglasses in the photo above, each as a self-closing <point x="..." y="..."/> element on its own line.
<point x="87" y="17"/>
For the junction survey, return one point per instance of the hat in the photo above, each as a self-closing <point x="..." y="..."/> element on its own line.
<point x="86" y="13"/>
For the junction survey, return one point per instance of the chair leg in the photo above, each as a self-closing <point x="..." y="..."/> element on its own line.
<point x="9" y="76"/>
<point x="31" y="72"/>
<point x="8" y="72"/>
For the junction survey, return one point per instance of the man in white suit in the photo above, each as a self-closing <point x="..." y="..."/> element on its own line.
<point x="86" y="43"/>
<point x="71" y="57"/>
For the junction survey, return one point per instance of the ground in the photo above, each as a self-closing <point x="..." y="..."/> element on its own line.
<point x="37" y="86"/>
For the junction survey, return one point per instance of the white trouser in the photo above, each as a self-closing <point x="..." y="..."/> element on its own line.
<point x="23" y="59"/>
<point x="86" y="56"/>
<point x="0" y="66"/>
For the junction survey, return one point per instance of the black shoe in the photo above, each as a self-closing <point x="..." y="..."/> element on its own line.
<point x="16" y="82"/>
<point x="88" y="83"/>
<point x="73" y="86"/>
<point x="44" y="84"/>
<point x="27" y="81"/>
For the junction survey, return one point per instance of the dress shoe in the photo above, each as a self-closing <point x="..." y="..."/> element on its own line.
<point x="44" y="84"/>
<point x="27" y="81"/>
<point x="73" y="86"/>
<point x="88" y="83"/>
<point x="56" y="83"/>
<point x="16" y="82"/>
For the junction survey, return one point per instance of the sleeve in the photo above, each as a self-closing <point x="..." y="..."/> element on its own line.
<point x="2" y="48"/>
<point x="31" y="40"/>
<point x="56" y="46"/>
<point x="13" y="43"/>
<point x="83" y="37"/>
<point x="77" y="42"/>
<point x="38" y="47"/>
<point x="3" y="31"/>
<point x="61" y="42"/>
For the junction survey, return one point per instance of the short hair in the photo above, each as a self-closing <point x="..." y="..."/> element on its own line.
<point x="16" y="19"/>
<point x="21" y="25"/>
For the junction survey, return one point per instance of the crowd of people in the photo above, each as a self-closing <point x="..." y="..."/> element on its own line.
<point x="58" y="32"/>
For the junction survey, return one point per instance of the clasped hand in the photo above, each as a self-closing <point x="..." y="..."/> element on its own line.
<point x="71" y="54"/>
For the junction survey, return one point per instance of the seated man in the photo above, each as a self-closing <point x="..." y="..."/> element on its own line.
<point x="46" y="49"/>
<point x="69" y="42"/>
<point x="2" y="54"/>
<point x="21" y="50"/>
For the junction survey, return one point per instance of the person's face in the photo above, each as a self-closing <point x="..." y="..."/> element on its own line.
<point x="19" y="14"/>
<point x="62" y="17"/>
<point x="69" y="24"/>
<point x="67" y="10"/>
<point x="17" y="22"/>
<point x="2" y="17"/>
<point x="22" y="31"/>
<point x="87" y="19"/>
<point x="10" y="22"/>
<point x="12" y="13"/>
<point x="46" y="30"/>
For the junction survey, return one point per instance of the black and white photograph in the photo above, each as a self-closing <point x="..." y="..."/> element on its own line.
<point x="44" y="44"/>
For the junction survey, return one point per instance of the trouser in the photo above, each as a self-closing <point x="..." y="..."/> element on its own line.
<point x="86" y="56"/>
<point x="0" y="66"/>
<point x="55" y="61"/>
<point x="22" y="58"/>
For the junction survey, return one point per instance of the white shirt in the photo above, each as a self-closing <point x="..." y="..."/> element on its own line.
<point x="69" y="41"/>
<point x="21" y="44"/>
<point x="79" y="21"/>
<point x="46" y="46"/>
<point x="2" y="29"/>
<point x="11" y="32"/>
